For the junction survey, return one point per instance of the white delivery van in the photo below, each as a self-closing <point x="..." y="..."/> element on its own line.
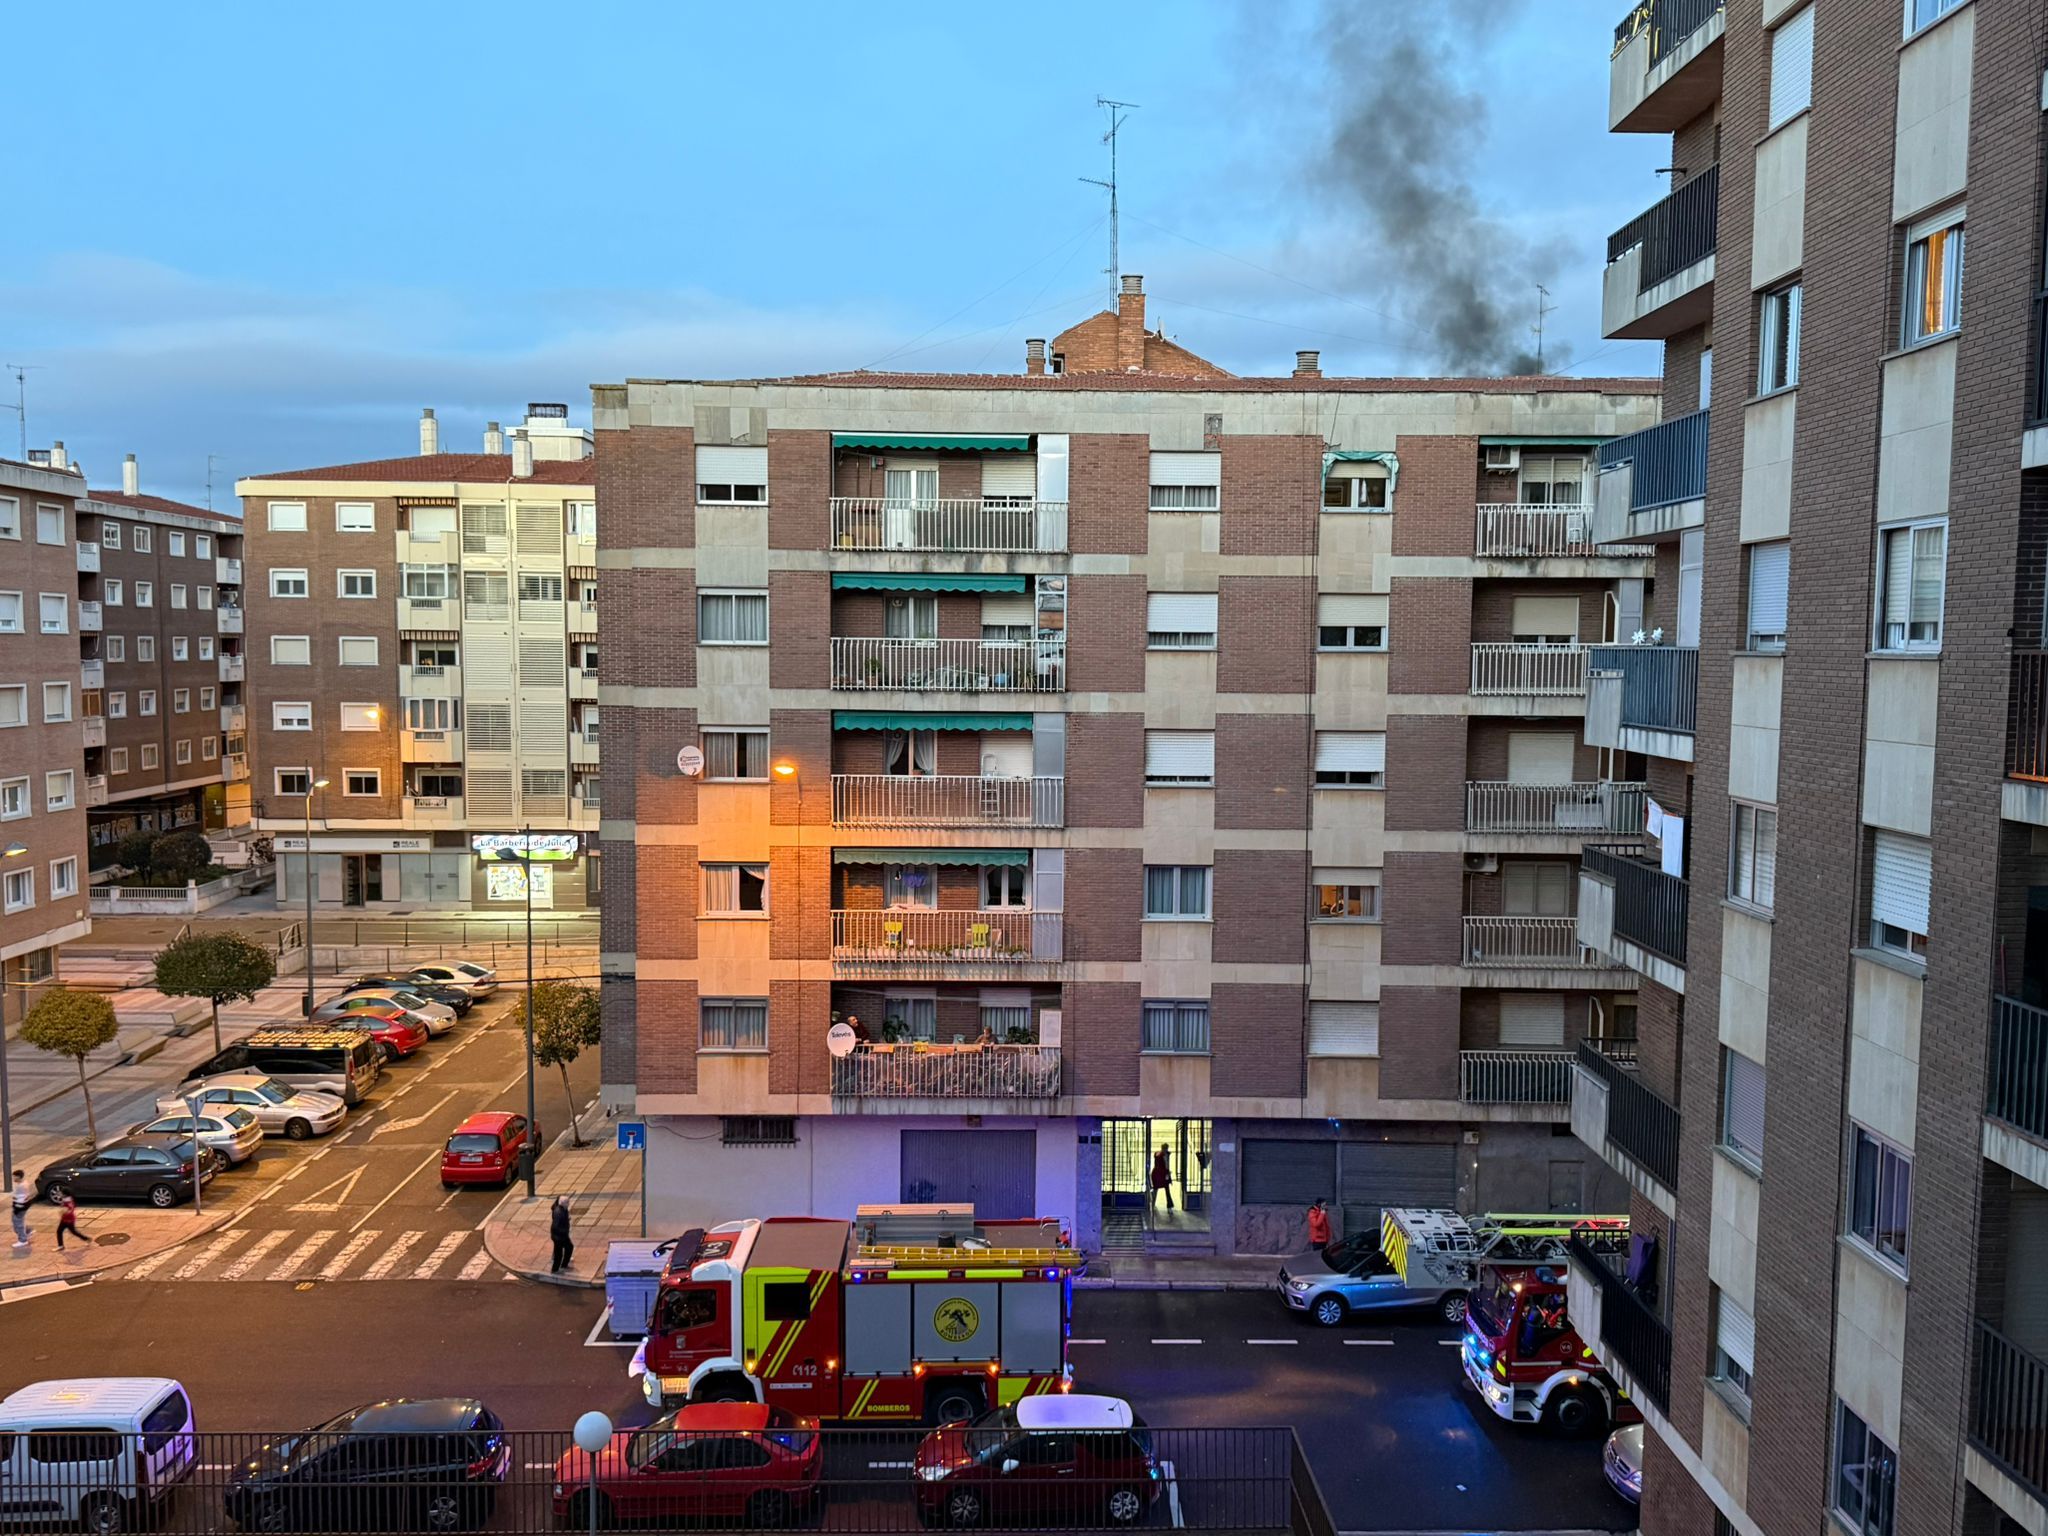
<point x="100" y="1452"/>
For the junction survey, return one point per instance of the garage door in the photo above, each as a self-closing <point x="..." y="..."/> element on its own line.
<point x="994" y="1171"/>
<point x="1374" y="1174"/>
<point x="1287" y="1172"/>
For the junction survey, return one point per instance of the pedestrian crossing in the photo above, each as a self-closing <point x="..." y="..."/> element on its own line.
<point x="242" y="1253"/>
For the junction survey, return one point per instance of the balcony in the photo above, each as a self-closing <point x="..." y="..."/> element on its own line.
<point x="94" y="728"/>
<point x="232" y="666"/>
<point x="2009" y="1410"/>
<point x="584" y="815"/>
<point x="2016" y="1083"/>
<point x="92" y="673"/>
<point x="1593" y="805"/>
<point x="924" y="941"/>
<point x="227" y="570"/>
<point x="427" y="811"/>
<point x="431" y="682"/>
<point x="1630" y="909"/>
<point x="918" y="1071"/>
<point x="582" y="618"/>
<point x="95" y="789"/>
<point x="867" y="664"/>
<point x="965" y="525"/>
<point x="1652" y="484"/>
<point x="1660" y="265"/>
<point x="1528" y="669"/>
<point x="1644" y="698"/>
<point x="1515" y="1077"/>
<point x="430" y="746"/>
<point x="1633" y="1342"/>
<point x="440" y="615"/>
<point x="88" y="556"/>
<point x="582" y="751"/>
<point x="1666" y="67"/>
<point x="582" y="684"/>
<point x="228" y="619"/>
<point x="234" y="767"/>
<point x="234" y="717"/>
<point x="89" y="622"/>
<point x="429" y="548"/>
<point x="946" y="800"/>
<point x="1616" y="1114"/>
<point x="1520" y="531"/>
<point x="1534" y="942"/>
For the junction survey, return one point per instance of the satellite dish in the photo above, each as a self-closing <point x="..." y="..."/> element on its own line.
<point x="690" y="762"/>
<point x="839" y="1039"/>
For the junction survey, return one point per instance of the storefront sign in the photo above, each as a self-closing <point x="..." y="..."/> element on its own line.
<point x="344" y="844"/>
<point x="507" y="882"/>
<point x="538" y="847"/>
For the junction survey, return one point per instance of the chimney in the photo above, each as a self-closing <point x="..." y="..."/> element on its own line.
<point x="1308" y="365"/>
<point x="430" y="433"/>
<point x="1034" y="356"/>
<point x="494" y="438"/>
<point x="131" y="478"/>
<point x="59" y="459"/>
<point x="522" y="455"/>
<point x="1130" y="324"/>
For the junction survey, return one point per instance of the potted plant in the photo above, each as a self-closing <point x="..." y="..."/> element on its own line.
<point x="894" y="1029"/>
<point x="1019" y="1035"/>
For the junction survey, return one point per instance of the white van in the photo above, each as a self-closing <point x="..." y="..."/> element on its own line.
<point x="99" y="1452"/>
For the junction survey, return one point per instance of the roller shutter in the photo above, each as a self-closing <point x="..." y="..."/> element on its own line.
<point x="1372" y="1175"/>
<point x="996" y="1172"/>
<point x="1900" y="876"/>
<point x="1008" y="474"/>
<point x="732" y="466"/>
<point x="1344" y="1029"/>
<point x="1187" y="469"/>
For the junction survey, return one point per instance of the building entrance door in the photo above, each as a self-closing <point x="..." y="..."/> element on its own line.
<point x="1155" y="1180"/>
<point x="362" y="878"/>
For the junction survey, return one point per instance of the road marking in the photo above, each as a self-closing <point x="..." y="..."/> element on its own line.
<point x="254" y="1254"/>
<point x="151" y="1265"/>
<point x="433" y="1158"/>
<point x="300" y="1255"/>
<point x="1172" y="1493"/>
<point x="419" y="1119"/>
<point x="592" y="1341"/>
<point x="33" y="1289"/>
<point x="875" y="1466"/>
<point x="389" y="1260"/>
<point x="207" y="1255"/>
<point x="346" y="1254"/>
<point x="1176" y="1341"/>
<point x="1272" y="1341"/>
<point x="474" y="1269"/>
<point x="1366" y="1343"/>
<point x="1451" y="1343"/>
<point x="1087" y="1341"/>
<point x="442" y="1253"/>
<point x="346" y="1184"/>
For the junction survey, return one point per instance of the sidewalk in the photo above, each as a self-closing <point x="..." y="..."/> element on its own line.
<point x="116" y="1236"/>
<point x="603" y="1186"/>
<point x="1147" y="1272"/>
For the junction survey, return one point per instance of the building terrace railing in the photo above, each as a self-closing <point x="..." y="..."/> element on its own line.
<point x="1649" y="905"/>
<point x="862" y="662"/>
<point x="2009" y="1408"/>
<point x="1669" y="461"/>
<point x="2026" y="735"/>
<point x="1660" y="684"/>
<point x="1631" y="1334"/>
<point x="1508" y="1076"/>
<point x="2016" y="1085"/>
<point x="1587" y="805"/>
<point x="918" y="1071"/>
<point x="1528" y="669"/>
<point x="1674" y="232"/>
<point x="1639" y="1121"/>
<point x="946" y="800"/>
<point x="1669" y="23"/>
<point x="928" y="936"/>
<point x="962" y="525"/>
<point x="1532" y="941"/>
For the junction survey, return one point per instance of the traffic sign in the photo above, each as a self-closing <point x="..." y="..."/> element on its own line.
<point x="632" y="1136"/>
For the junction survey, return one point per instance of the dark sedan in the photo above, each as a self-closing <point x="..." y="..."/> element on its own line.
<point x="458" y="998"/>
<point x="407" y="1464"/>
<point x="133" y="1168"/>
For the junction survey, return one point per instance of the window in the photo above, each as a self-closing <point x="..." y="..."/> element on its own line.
<point x="1536" y="889"/>
<point x="362" y="781"/>
<point x="1734" y="1346"/>
<point x="586" y="594"/>
<point x="1356" y="487"/>
<point x="540" y="588"/>
<point x="428" y="782"/>
<point x="1910" y="575"/>
<point x="355" y="583"/>
<point x="202" y="546"/>
<point x="1753" y="855"/>
<point x="732" y="474"/>
<point x="1347" y="895"/>
<point x="110" y="593"/>
<point x="1921" y="13"/>
<point x="733" y="889"/>
<point x="1544" y="621"/>
<point x="296" y="716"/>
<point x="50" y="525"/>
<point x="1901" y="874"/>
<point x="358" y="650"/>
<point x="1176" y="890"/>
<point x="446" y="715"/>
<point x="181" y="701"/>
<point x="183" y="752"/>
<point x="117" y="704"/>
<point x="14" y="799"/>
<point x="1005" y="886"/>
<point x="1866" y="1475"/>
<point x="1770" y="581"/>
<point x="1180" y="1028"/>
<point x="733" y="1024"/>
<point x="1351" y="759"/>
<point x="294" y="781"/>
<point x="110" y="533"/>
<point x="145" y="647"/>
<point x="1186" y="482"/>
<point x="144" y="541"/>
<point x="56" y="701"/>
<point x="10" y="613"/>
<point x="209" y="748"/>
<point x="286" y="517"/>
<point x="181" y="648"/>
<point x="1934" y="278"/>
<point x="1008" y="1023"/>
<point x="145" y="702"/>
<point x="287" y="583"/>
<point x="359" y="717"/>
<point x="13" y="704"/>
<point x="1778" y="339"/>
<point x="754" y="1131"/>
<point x="10" y="518"/>
<point x="1346" y="622"/>
<point x="355" y="517"/>
<point x="1552" y="480"/>
<point x="117" y="648"/>
<point x="1880" y="1195"/>
<point x="63" y="877"/>
<point x="730" y="755"/>
<point x="177" y="543"/>
<point x="1344" y="1029"/>
<point x="1180" y="621"/>
<point x="1791" y="68"/>
<point x="426" y="582"/>
<point x="20" y="890"/>
<point x="1180" y="757"/>
<point x="1742" y="1108"/>
<point x="117" y="760"/>
<point x="582" y="519"/>
<point x="206" y="697"/>
<point x="55" y="610"/>
<point x="291" y="651"/>
<point x="202" y="597"/>
<point x="150" y="755"/>
<point x="206" y="647"/>
<point x="732" y="618"/>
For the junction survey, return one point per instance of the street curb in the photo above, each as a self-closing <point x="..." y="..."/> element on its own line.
<point x="542" y="1276"/>
<point x="126" y="1254"/>
<point x="1111" y="1283"/>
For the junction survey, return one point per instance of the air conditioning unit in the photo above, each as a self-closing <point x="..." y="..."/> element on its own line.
<point x="1502" y="460"/>
<point x="1482" y="863"/>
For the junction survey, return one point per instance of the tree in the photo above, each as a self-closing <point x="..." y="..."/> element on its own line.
<point x="133" y="852"/>
<point x="566" y="1018"/>
<point x="73" y="1024"/>
<point x="220" y="967"/>
<point x="177" y="857"/>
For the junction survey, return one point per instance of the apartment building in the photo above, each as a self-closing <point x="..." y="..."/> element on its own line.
<point x="1035" y="789"/>
<point x="423" y="634"/>
<point x="42" y="764"/>
<point x="1834" y="689"/>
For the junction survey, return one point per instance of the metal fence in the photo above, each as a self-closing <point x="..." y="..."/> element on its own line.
<point x="1669" y="23"/>
<point x="1631" y="1335"/>
<point x="1512" y="529"/>
<point x="1639" y="1122"/>
<point x="1515" y="1077"/>
<point x="1528" y="668"/>
<point x="1589" y="805"/>
<point x="1650" y="906"/>
<point x="1660" y="684"/>
<point x="1669" y="461"/>
<point x="946" y="800"/>
<point x="2016" y="1087"/>
<point x="969" y="524"/>
<point x="189" y="1483"/>
<point x="1674" y="232"/>
<point x="2026" y="735"/>
<point x="1536" y="941"/>
<point x="922" y="934"/>
<point x="2009" y="1408"/>
<point x="867" y="662"/>
<point x="2037" y="398"/>
<point x="904" y="1071"/>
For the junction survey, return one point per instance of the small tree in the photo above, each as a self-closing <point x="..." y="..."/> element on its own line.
<point x="133" y="852"/>
<point x="220" y="967"/>
<point x="73" y="1024"/>
<point x="177" y="857"/>
<point x="566" y="1018"/>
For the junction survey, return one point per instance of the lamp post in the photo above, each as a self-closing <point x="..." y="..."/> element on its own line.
<point x="532" y="1152"/>
<point x="12" y="851"/>
<point x="311" y="786"/>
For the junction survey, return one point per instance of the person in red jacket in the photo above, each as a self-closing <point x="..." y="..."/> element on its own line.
<point x="1318" y="1226"/>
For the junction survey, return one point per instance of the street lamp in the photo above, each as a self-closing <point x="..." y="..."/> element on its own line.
<point x="310" y="787"/>
<point x="12" y="851"/>
<point x="531" y="1153"/>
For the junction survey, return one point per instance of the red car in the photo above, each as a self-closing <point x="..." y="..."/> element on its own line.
<point x="704" y="1461"/>
<point x="1058" y="1459"/>
<point x="398" y="1032"/>
<point x="485" y="1149"/>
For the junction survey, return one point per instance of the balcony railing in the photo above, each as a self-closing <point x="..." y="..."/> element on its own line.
<point x="965" y="525"/>
<point x="949" y="1072"/>
<point x="2037" y="398"/>
<point x="234" y="717"/>
<point x="227" y="570"/>
<point x="1673" y="233"/>
<point x="1639" y="1122"/>
<point x="1669" y="23"/>
<point x="89" y="618"/>
<point x="92" y="673"/>
<point x="946" y="800"/>
<point x="234" y="766"/>
<point x="1668" y="461"/>
<point x="88" y="556"/>
<point x="2026" y="736"/>
<point x="1519" y="530"/>
<point x="927" y="936"/>
<point x="228" y="619"/>
<point x="1631" y="1335"/>
<point x="2016" y="1088"/>
<point x="1515" y="1077"/>
<point x="1537" y="941"/>
<point x="1660" y="684"/>
<point x="1528" y="669"/>
<point x="1649" y="905"/>
<point x="433" y="810"/>
<point x="1588" y="805"/>
<point x="955" y="666"/>
<point x="2009" y="1408"/>
<point x="95" y="789"/>
<point x="231" y="667"/>
<point x="94" y="728"/>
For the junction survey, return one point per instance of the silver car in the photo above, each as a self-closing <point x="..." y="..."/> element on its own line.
<point x="1354" y="1276"/>
<point x="228" y="1129"/>
<point x="481" y="980"/>
<point x="279" y="1109"/>
<point x="438" y="1017"/>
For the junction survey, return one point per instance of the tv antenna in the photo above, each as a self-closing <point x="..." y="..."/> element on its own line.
<point x="21" y="371"/>
<point x="1543" y="309"/>
<point x="1119" y="114"/>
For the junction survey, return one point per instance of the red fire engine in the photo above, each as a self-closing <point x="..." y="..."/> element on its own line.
<point x="906" y="1314"/>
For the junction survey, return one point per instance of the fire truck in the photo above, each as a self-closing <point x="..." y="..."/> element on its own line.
<point x="1520" y="1350"/>
<point x="905" y="1315"/>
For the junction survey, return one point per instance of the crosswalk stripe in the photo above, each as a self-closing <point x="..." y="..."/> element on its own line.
<point x="441" y="1255"/>
<point x="152" y="1264"/>
<point x="300" y="1255"/>
<point x="254" y="1254"/>
<point x="474" y="1269"/>
<point x="346" y="1254"/>
<point x="388" y="1261"/>
<point x="207" y="1255"/>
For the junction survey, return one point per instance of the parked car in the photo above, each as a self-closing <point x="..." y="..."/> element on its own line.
<point x="233" y="1133"/>
<point x="406" y="1464"/>
<point x="716" y="1461"/>
<point x="341" y="1063"/>
<point x="398" y="1031"/>
<point x="97" y="1452"/>
<point x="149" y="1168"/>
<point x="1359" y="1280"/>
<point x="458" y="998"/>
<point x="429" y="1016"/>
<point x="481" y="980"/>
<point x="438" y="1017"/>
<point x="485" y="1149"/>
<point x="1622" y="1462"/>
<point x="279" y="1110"/>
<point x="1059" y="1459"/>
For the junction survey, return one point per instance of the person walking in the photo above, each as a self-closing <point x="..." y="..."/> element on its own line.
<point x="24" y="1196"/>
<point x="67" y="1218"/>
<point x="1162" y="1177"/>
<point x="558" y="1229"/>
<point x="1318" y="1226"/>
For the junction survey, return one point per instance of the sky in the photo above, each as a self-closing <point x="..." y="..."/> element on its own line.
<point x="268" y="235"/>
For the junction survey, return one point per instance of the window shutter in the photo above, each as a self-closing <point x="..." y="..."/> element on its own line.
<point x="1692" y="560"/>
<point x="1187" y="469"/>
<point x="1898" y="584"/>
<point x="1348" y="608"/>
<point x="1008" y="474"/>
<point x="732" y="466"/>
<point x="1007" y="608"/>
<point x="1180" y="754"/>
<point x="1792" y="67"/>
<point x="1901" y="873"/>
<point x="1541" y="757"/>
<point x="1743" y="1109"/>
<point x="1351" y="752"/>
<point x="1766" y="856"/>
<point x="1546" y="616"/>
<point x="1770" y="569"/>
<point x="1181" y="612"/>
<point x="1532" y="1018"/>
<point x="1928" y="563"/>
<point x="1343" y="1029"/>
<point x="1736" y="1334"/>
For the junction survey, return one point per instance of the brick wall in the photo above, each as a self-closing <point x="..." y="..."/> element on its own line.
<point x="1257" y="1039"/>
<point x="800" y="925"/>
<point x="1422" y="910"/>
<point x="802" y="737"/>
<point x="1259" y="902"/>
<point x="1682" y="371"/>
<point x="1106" y="634"/>
<point x="1262" y="771"/>
<point x="1109" y="485"/>
<point x="666" y="886"/>
<point x="653" y="791"/>
<point x="799" y="1014"/>
<point x="1105" y="770"/>
<point x="1101" y="1031"/>
<point x="666" y="1035"/>
<point x="801" y="609"/>
<point x="799" y="489"/>
<point x="1266" y="633"/>
<point x="1429" y="634"/>
<point x="1418" y="1042"/>
<point x="1426" y="772"/>
<point x="1105" y="903"/>
<point x="1434" y="499"/>
<point x="638" y="654"/>
<point x="646" y="483"/>
<point x="1272" y="494"/>
<point x="1493" y="605"/>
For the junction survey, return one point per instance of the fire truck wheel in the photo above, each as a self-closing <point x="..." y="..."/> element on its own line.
<point x="1575" y="1413"/>
<point x="1452" y="1307"/>
<point x="723" y="1389"/>
<point x="963" y="1507"/>
<point x="953" y="1402"/>
<point x="768" y="1510"/>
<point x="1330" y="1310"/>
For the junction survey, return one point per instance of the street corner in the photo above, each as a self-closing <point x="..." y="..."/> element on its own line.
<point x="516" y="1236"/>
<point x="112" y="1239"/>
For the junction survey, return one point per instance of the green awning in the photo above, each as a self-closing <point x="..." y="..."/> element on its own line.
<point x="889" y="720"/>
<point x="888" y="581"/>
<point x="1541" y="442"/>
<point x="1384" y="456"/>
<point x="931" y="856"/>
<point x="977" y="442"/>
